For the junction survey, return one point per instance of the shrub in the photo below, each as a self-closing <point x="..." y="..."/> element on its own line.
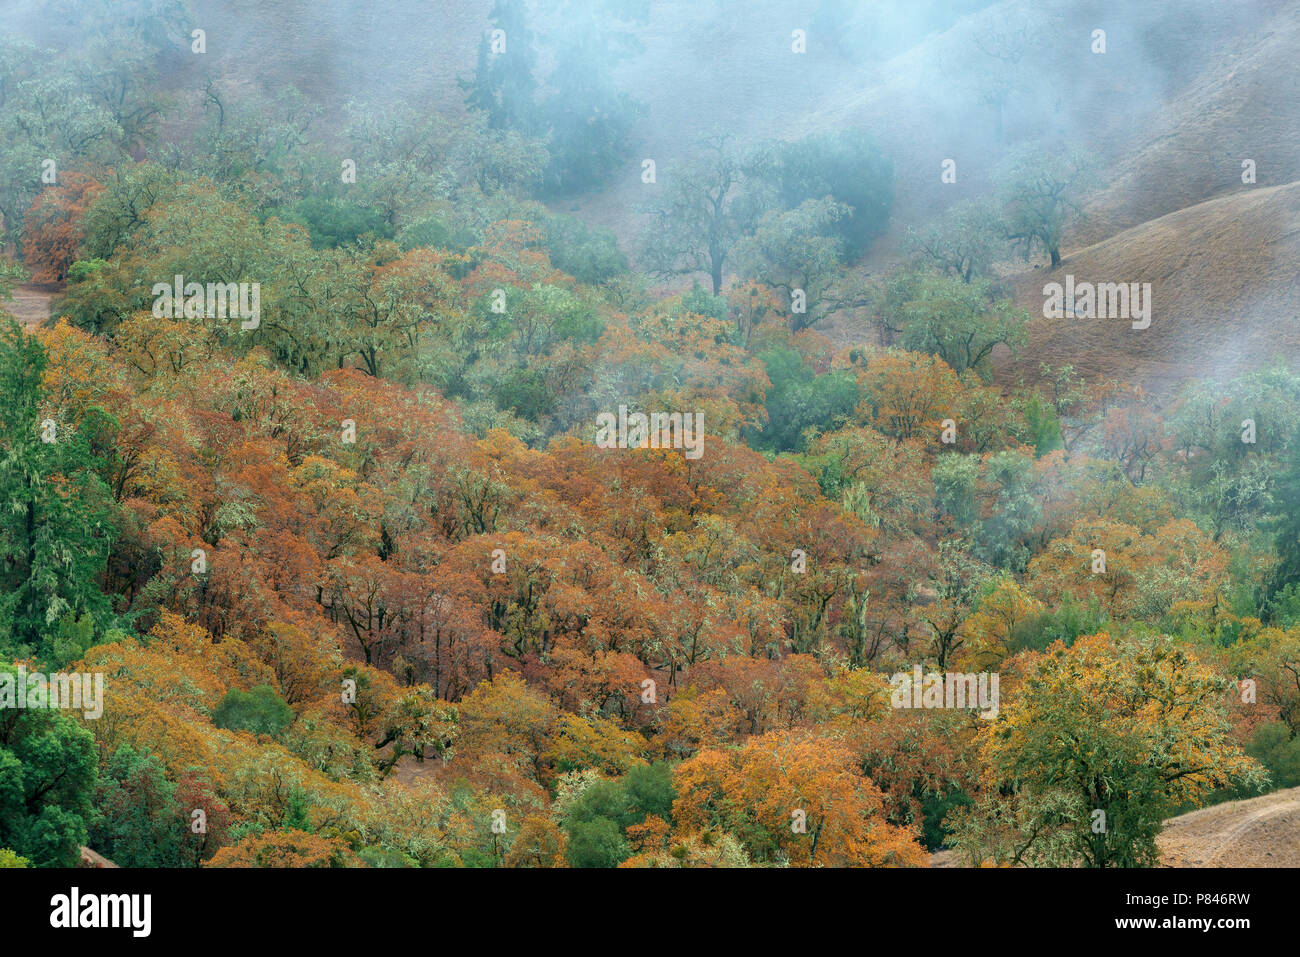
<point x="260" y="711"/>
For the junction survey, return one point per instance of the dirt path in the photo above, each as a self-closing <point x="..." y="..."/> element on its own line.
<point x="1260" y="832"/>
<point x="31" y="302"/>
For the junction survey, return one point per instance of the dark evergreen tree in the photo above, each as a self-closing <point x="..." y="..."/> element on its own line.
<point x="48" y="767"/>
<point x="56" y="511"/>
<point x="590" y="121"/>
<point x="139" y="822"/>
<point x="504" y="87"/>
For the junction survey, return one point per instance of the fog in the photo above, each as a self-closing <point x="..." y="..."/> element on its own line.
<point x="1165" y="97"/>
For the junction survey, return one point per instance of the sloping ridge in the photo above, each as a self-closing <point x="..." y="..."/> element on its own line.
<point x="1242" y="106"/>
<point x="30" y="303"/>
<point x="1224" y="292"/>
<point x="1184" y="92"/>
<point x="1258" y="832"/>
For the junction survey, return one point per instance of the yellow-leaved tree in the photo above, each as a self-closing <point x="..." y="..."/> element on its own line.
<point x="1096" y="746"/>
<point x="792" y="797"/>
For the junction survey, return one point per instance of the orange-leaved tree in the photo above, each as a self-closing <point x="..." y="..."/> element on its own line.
<point x="793" y="797"/>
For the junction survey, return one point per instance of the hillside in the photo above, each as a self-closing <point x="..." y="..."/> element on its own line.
<point x="30" y="303"/>
<point x="1223" y="288"/>
<point x="391" y="517"/>
<point x="1259" y="832"/>
<point x="1240" y="106"/>
<point x="1141" y="106"/>
<point x="1179" y="98"/>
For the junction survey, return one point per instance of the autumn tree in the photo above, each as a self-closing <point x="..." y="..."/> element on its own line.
<point x="906" y="394"/>
<point x="1095" y="747"/>
<point x="416" y="724"/>
<point x="505" y="717"/>
<point x="288" y="848"/>
<point x="53" y="231"/>
<point x="1004" y="608"/>
<point x="57" y="523"/>
<point x="44" y="113"/>
<point x="923" y="762"/>
<point x="792" y="797"/>
<point x="1272" y="659"/>
<point x="959" y="580"/>
<point x="539" y="843"/>
<point x="1131" y="572"/>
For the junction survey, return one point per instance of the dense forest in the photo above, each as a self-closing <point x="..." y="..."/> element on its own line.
<point x="306" y="465"/>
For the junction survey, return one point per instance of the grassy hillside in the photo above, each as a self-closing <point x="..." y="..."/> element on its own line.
<point x="1223" y="285"/>
<point x="431" y="486"/>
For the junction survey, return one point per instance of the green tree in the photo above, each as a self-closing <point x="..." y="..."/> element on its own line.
<point x="955" y="476"/>
<point x="1014" y="509"/>
<point x="117" y="214"/>
<point x="1043" y="193"/>
<point x="1287" y="537"/>
<point x="965" y="243"/>
<point x="849" y="169"/>
<point x="797" y="254"/>
<point x="999" y="72"/>
<point x="800" y="399"/>
<point x="259" y="710"/>
<point x="1064" y="624"/>
<point x="1044" y="425"/>
<point x="504" y="87"/>
<point x="44" y="116"/>
<point x="698" y="301"/>
<point x="48" y="769"/>
<point x="11" y="273"/>
<point x="1130" y="729"/>
<point x="589" y="254"/>
<point x="138" y="821"/>
<point x="598" y="842"/>
<point x="709" y="202"/>
<point x="336" y="222"/>
<point x="960" y="322"/>
<point x="56" y="512"/>
<point x="1273" y="746"/>
<point x="596" y="822"/>
<point x="588" y="118"/>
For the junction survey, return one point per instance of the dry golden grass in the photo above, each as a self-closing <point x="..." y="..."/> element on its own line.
<point x="1223" y="276"/>
<point x="1260" y="832"/>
